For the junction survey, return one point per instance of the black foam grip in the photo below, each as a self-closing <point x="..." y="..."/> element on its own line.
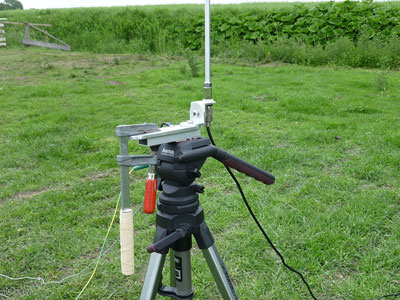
<point x="250" y="170"/>
<point x="151" y="248"/>
<point x="240" y="165"/>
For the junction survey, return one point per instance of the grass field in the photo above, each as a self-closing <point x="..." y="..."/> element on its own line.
<point x="331" y="136"/>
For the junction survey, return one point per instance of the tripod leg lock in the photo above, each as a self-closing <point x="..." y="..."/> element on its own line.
<point x="169" y="239"/>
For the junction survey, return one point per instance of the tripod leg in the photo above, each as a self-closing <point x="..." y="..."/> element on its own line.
<point x="220" y="273"/>
<point x="153" y="276"/>
<point x="217" y="267"/>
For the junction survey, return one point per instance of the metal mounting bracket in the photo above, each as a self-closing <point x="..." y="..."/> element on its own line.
<point x="134" y="129"/>
<point x="136" y="160"/>
<point x="185" y="130"/>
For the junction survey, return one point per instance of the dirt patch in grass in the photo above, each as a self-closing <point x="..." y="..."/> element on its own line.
<point x="354" y="150"/>
<point x="112" y="82"/>
<point x="265" y="98"/>
<point x="367" y="186"/>
<point x="22" y="80"/>
<point x="333" y="169"/>
<point x="30" y="194"/>
<point x="273" y="65"/>
<point x="100" y="175"/>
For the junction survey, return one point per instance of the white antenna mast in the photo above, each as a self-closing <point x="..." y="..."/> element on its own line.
<point x="207" y="81"/>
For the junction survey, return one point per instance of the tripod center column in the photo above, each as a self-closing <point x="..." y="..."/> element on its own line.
<point x="183" y="275"/>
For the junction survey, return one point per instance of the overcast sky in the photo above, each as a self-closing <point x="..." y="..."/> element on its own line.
<point x="80" y="3"/>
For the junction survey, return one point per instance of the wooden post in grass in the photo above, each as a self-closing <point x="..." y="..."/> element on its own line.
<point x="27" y="32"/>
<point x="2" y="38"/>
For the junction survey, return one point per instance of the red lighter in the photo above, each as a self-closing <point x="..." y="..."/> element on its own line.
<point x="150" y="193"/>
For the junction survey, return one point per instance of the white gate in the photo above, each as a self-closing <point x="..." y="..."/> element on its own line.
<point x="2" y="38"/>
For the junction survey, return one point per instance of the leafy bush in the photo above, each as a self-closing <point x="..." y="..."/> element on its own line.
<point x="317" y="25"/>
<point x="357" y="34"/>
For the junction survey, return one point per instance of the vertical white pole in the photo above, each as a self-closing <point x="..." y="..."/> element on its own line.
<point x="207" y="82"/>
<point x="207" y="41"/>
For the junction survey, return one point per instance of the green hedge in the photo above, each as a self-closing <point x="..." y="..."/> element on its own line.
<point x="172" y="29"/>
<point x="317" y="25"/>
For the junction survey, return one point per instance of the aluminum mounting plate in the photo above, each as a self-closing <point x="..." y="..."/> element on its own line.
<point x="185" y="130"/>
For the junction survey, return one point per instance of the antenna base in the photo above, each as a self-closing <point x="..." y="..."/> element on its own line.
<point x="207" y="91"/>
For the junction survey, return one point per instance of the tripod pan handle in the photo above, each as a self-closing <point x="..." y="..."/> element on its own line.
<point x="228" y="160"/>
<point x="242" y="166"/>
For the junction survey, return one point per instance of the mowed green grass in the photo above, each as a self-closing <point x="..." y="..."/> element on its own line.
<point x="331" y="136"/>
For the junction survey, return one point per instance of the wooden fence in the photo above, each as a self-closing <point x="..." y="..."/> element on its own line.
<point x="2" y="38"/>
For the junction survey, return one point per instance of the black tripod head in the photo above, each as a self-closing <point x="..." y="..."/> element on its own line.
<point x="178" y="166"/>
<point x="171" y="169"/>
<point x="180" y="162"/>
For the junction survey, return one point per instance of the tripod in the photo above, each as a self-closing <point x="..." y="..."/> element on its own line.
<point x="179" y="217"/>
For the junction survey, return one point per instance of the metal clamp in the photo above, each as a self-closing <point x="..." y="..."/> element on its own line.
<point x="136" y="160"/>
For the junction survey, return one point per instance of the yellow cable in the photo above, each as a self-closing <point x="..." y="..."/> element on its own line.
<point x="102" y="247"/>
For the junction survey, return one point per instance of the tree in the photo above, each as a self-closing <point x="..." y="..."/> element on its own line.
<point x="11" y="4"/>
